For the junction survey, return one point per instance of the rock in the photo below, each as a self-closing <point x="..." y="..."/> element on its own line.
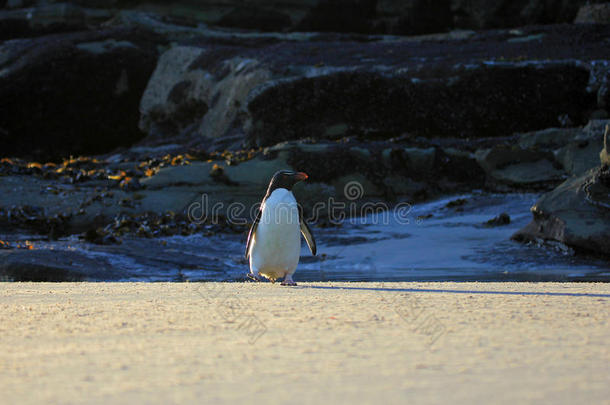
<point x="420" y="172"/>
<point x="593" y="14"/>
<point x="413" y="188"/>
<point x="373" y="104"/>
<point x="502" y="156"/>
<point x="512" y="13"/>
<point x="387" y="16"/>
<point x="410" y="161"/>
<point x="48" y="19"/>
<point x="604" y="155"/>
<point x="183" y="186"/>
<point x="458" y="167"/>
<point x="594" y="129"/>
<point x="217" y="173"/>
<point x="500" y="220"/>
<point x="398" y="17"/>
<point x="575" y="149"/>
<point x="168" y="105"/>
<point x="226" y="86"/>
<point x="413" y="17"/>
<point x="519" y="167"/>
<point x="73" y="93"/>
<point x="217" y="88"/>
<point x="420" y="160"/>
<point x="197" y="91"/>
<point x="548" y="139"/>
<point x="540" y="174"/>
<point x="256" y="18"/>
<point x="581" y="154"/>
<point x="603" y="95"/>
<point x="577" y="213"/>
<point x="85" y="195"/>
<point x="357" y="188"/>
<point x="599" y="114"/>
<point x="459" y="202"/>
<point x="54" y="266"/>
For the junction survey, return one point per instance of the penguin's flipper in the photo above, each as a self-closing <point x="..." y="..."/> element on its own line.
<point x="252" y="232"/>
<point x="311" y="242"/>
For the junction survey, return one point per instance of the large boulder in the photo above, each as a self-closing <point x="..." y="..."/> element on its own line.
<point x="74" y="93"/>
<point x="276" y="88"/>
<point x="54" y="266"/>
<point x="514" y="166"/>
<point x="575" y="150"/>
<point x="549" y="139"/>
<point x="494" y="101"/>
<point x="581" y="154"/>
<point x="577" y="213"/>
<point x="542" y="159"/>
<point x="199" y="91"/>
<point x="593" y="14"/>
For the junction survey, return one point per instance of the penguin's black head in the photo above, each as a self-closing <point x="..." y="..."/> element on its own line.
<point x="285" y="179"/>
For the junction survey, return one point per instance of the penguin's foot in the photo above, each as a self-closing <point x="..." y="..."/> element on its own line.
<point x="288" y="281"/>
<point x="254" y="277"/>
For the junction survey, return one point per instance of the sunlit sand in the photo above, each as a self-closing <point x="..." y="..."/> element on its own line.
<point x="315" y="343"/>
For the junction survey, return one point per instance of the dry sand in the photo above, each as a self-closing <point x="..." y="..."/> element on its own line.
<point x="316" y="343"/>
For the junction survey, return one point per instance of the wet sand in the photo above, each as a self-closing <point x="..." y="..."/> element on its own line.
<point x="315" y="343"/>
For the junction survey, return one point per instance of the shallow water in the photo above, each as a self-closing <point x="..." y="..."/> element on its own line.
<point x="453" y="244"/>
<point x="429" y="242"/>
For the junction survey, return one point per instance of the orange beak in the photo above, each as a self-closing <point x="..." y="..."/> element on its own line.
<point x="300" y="176"/>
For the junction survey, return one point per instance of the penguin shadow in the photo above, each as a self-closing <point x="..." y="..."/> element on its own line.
<point x="451" y="291"/>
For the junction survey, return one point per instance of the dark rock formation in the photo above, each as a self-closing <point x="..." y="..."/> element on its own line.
<point x="48" y="19"/>
<point x="73" y="93"/>
<point x="593" y="14"/>
<point x="399" y="17"/>
<point x="577" y="213"/>
<point x="91" y="196"/>
<point x="604" y="155"/>
<point x="480" y="103"/>
<point x="500" y="220"/>
<point x="84" y="92"/>
<point x="512" y="13"/>
<point x="413" y="17"/>
<point x="327" y="87"/>
<point x="514" y="166"/>
<point x="53" y="266"/>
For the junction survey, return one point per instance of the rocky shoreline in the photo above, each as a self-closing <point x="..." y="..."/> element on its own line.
<point x="159" y="112"/>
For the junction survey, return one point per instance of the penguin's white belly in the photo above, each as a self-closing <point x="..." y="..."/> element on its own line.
<point x="276" y="245"/>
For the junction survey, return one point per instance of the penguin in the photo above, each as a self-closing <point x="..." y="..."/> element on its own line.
<point x="274" y="240"/>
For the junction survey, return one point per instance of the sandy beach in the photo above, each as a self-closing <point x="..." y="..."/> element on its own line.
<point x="315" y="343"/>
